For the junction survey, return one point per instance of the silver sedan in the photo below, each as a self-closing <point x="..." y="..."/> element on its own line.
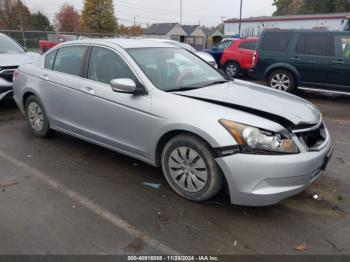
<point x="167" y="107"/>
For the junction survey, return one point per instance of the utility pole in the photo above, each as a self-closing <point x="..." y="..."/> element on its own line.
<point x="21" y="26"/>
<point x="181" y="12"/>
<point x="222" y="24"/>
<point x="240" y="19"/>
<point x="134" y="21"/>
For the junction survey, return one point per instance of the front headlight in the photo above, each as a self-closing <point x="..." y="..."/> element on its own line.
<point x="252" y="139"/>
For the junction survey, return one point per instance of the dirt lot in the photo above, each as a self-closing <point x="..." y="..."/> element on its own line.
<point x="65" y="196"/>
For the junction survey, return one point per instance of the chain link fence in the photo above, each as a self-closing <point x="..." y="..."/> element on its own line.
<point x="30" y="39"/>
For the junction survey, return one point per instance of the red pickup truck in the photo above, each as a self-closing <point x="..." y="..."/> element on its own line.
<point x="53" y="40"/>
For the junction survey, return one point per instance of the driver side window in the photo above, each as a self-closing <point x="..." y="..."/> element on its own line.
<point x="106" y="65"/>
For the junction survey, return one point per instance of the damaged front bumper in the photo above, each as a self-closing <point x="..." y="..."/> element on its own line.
<point x="263" y="180"/>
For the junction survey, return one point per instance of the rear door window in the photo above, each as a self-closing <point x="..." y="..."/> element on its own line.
<point x="50" y="59"/>
<point x="248" y="46"/>
<point x="342" y="46"/>
<point x="276" y="41"/>
<point x="69" y="60"/>
<point x="314" y="44"/>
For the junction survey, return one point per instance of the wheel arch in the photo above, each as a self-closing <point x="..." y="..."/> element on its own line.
<point x="283" y="66"/>
<point x="173" y="133"/>
<point x="165" y="138"/>
<point x="231" y="61"/>
<point x="26" y="95"/>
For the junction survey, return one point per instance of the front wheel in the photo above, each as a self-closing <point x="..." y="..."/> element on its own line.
<point x="190" y="169"/>
<point x="36" y="117"/>
<point x="282" y="80"/>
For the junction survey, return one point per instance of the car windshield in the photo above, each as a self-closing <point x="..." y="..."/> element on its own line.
<point x="174" y="69"/>
<point x="7" y="45"/>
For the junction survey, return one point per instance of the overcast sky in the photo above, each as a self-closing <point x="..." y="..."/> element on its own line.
<point x="208" y="12"/>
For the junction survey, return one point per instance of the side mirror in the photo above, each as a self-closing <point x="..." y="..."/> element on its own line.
<point x="123" y="85"/>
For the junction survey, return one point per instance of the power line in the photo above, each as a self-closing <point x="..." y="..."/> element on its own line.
<point x="138" y="6"/>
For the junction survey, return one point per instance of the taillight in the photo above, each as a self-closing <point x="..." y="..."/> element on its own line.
<point x="255" y="58"/>
<point x="15" y="75"/>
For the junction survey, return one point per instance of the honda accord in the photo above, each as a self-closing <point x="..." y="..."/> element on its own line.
<point x="165" y="106"/>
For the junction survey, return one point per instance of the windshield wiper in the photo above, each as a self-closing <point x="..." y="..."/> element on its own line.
<point x="184" y="88"/>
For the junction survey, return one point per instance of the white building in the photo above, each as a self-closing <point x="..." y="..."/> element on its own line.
<point x="255" y="25"/>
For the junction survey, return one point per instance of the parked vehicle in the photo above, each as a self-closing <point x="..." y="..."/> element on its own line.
<point x="205" y="56"/>
<point x="218" y="50"/>
<point x="12" y="55"/>
<point x="53" y="40"/>
<point x="287" y="59"/>
<point x="238" y="57"/>
<point x="165" y="106"/>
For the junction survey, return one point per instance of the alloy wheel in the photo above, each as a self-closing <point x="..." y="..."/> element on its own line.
<point x="280" y="81"/>
<point x="231" y="70"/>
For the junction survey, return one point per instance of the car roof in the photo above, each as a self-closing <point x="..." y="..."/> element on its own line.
<point x="325" y="31"/>
<point x="125" y="43"/>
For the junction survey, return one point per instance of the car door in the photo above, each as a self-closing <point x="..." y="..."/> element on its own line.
<point x="339" y="71"/>
<point x="117" y="120"/>
<point x="310" y="55"/>
<point x="60" y="86"/>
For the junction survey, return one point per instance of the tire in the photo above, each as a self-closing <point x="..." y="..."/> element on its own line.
<point x="36" y="117"/>
<point x="232" y="69"/>
<point x="282" y="80"/>
<point x="185" y="161"/>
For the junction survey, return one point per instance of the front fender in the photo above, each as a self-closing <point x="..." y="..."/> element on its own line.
<point x="215" y="138"/>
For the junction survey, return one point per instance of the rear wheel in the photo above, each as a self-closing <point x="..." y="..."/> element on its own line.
<point x="190" y="168"/>
<point x="232" y="69"/>
<point x="282" y="80"/>
<point x="36" y="117"/>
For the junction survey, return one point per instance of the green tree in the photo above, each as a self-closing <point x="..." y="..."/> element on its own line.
<point x="282" y="6"/>
<point x="341" y="6"/>
<point x="40" y="22"/>
<point x="317" y="7"/>
<point x="288" y="7"/>
<point x="98" y="16"/>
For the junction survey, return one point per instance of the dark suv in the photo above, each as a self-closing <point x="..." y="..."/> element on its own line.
<point x="287" y="59"/>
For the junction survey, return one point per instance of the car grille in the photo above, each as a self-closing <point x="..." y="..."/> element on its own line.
<point x="314" y="138"/>
<point x="7" y="72"/>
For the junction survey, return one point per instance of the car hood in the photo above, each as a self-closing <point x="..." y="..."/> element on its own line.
<point x="17" y="59"/>
<point x="288" y="110"/>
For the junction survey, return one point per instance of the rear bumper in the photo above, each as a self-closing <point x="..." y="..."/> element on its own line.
<point x="263" y="180"/>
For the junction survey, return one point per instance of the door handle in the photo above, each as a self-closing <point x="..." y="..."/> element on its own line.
<point x="295" y="58"/>
<point x="45" y="77"/>
<point x="88" y="90"/>
<point x="340" y="62"/>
